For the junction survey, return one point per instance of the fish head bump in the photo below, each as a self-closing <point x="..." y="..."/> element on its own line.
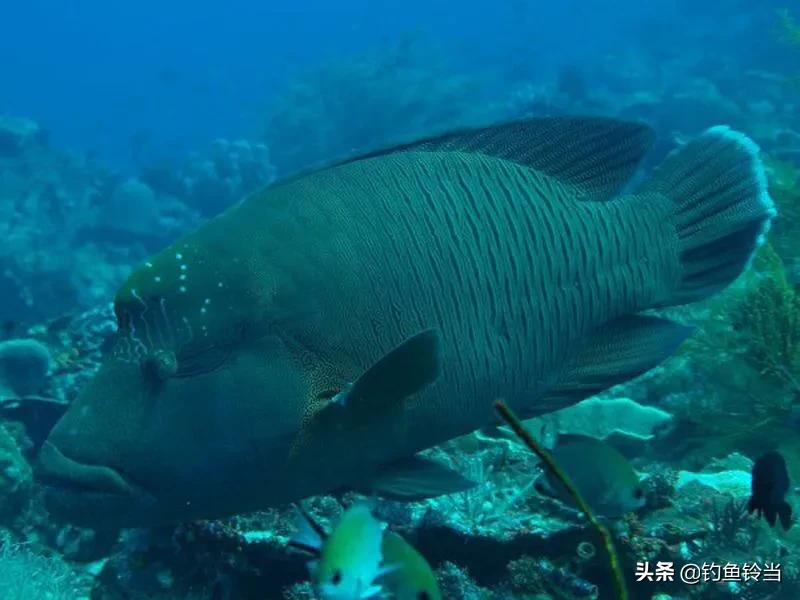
<point x="192" y="413"/>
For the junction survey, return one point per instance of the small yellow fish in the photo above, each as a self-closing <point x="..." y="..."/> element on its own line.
<point x="408" y="575"/>
<point x="348" y="560"/>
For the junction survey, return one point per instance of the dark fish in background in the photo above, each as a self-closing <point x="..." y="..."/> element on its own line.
<point x="770" y="485"/>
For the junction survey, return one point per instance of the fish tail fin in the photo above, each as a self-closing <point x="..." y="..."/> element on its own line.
<point x="751" y="505"/>
<point x="785" y="514"/>
<point x="722" y="209"/>
<point x="309" y="536"/>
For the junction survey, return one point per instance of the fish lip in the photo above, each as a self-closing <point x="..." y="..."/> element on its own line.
<point x="59" y="472"/>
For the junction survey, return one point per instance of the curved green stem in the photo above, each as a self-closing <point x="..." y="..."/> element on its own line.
<point x="608" y="543"/>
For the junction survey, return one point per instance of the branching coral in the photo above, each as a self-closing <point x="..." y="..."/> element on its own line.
<point x="539" y="578"/>
<point x="727" y="520"/>
<point x="498" y="499"/>
<point x="744" y="366"/>
<point x="25" y="575"/>
<point x="784" y="187"/>
<point x="789" y="33"/>
<point x="361" y="102"/>
<point x="789" y="28"/>
<point x="770" y="318"/>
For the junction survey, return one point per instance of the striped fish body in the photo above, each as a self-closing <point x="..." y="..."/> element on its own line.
<point x="508" y="264"/>
<point x="259" y="358"/>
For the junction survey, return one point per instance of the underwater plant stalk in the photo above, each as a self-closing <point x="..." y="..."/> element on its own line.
<point x="608" y="543"/>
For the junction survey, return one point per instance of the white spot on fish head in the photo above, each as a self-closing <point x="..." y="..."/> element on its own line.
<point x="157" y="278"/>
<point x="182" y="289"/>
<point x="183" y="267"/>
<point x="149" y="265"/>
<point x="182" y="277"/>
<point x="203" y="311"/>
<point x="207" y="301"/>
<point x="179" y="256"/>
<point x="219" y="284"/>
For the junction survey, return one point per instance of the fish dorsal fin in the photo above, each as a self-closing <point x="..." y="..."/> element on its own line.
<point x="414" y="479"/>
<point x="595" y="156"/>
<point x="617" y="352"/>
<point x="400" y="373"/>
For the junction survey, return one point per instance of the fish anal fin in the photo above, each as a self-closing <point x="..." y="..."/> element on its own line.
<point x="616" y="352"/>
<point x="414" y="479"/>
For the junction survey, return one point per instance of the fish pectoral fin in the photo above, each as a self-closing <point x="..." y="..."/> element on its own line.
<point x="616" y="352"/>
<point x="404" y="371"/>
<point x="415" y="479"/>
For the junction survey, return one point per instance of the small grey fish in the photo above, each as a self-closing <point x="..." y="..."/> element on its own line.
<point x="603" y="477"/>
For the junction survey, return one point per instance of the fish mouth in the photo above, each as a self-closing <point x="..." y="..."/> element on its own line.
<point x="58" y="471"/>
<point x="86" y="493"/>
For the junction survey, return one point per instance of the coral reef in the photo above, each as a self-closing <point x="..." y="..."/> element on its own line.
<point x="24" y="367"/>
<point x="16" y="134"/>
<point x="74" y="229"/>
<point x="401" y="91"/>
<point x="622" y="422"/>
<point x="68" y="243"/>
<point x="789" y="28"/>
<point x="784" y="187"/>
<point x="16" y="478"/>
<point x="212" y="184"/>
<point x="25" y="575"/>
<point x="769" y="317"/>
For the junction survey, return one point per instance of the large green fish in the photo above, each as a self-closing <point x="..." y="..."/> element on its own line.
<point x="319" y="334"/>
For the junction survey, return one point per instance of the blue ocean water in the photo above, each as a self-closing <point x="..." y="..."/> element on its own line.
<point x="126" y="126"/>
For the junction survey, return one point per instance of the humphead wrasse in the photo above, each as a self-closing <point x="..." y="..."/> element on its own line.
<point x="319" y="334"/>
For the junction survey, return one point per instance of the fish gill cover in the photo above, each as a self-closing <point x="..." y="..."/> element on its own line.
<point x="161" y="369"/>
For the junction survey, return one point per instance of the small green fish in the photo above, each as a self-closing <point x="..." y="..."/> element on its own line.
<point x="408" y="576"/>
<point x="348" y="560"/>
<point x="602" y="475"/>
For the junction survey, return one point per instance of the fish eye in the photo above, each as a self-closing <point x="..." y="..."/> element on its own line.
<point x="336" y="578"/>
<point x="423" y="595"/>
<point x="638" y="493"/>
